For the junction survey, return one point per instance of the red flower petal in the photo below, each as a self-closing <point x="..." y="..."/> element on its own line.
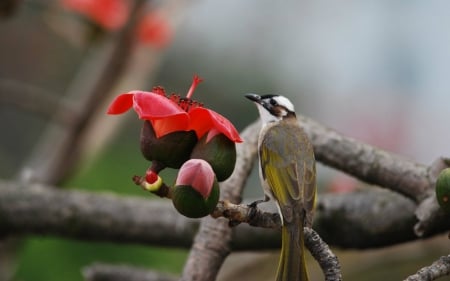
<point x="121" y="104"/>
<point x="203" y="120"/>
<point x="170" y="124"/>
<point x="165" y="115"/>
<point x="198" y="174"/>
<point x="200" y="121"/>
<point x="151" y="106"/>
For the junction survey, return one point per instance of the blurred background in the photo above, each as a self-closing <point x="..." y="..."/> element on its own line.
<point x="376" y="71"/>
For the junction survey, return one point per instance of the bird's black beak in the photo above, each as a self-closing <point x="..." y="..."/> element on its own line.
<point x="254" y="97"/>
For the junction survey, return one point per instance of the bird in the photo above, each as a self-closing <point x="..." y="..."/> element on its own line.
<point x="287" y="172"/>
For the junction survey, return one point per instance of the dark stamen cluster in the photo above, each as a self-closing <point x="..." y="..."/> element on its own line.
<point x="184" y="103"/>
<point x="159" y="90"/>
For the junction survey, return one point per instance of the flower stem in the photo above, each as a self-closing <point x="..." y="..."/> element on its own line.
<point x="164" y="191"/>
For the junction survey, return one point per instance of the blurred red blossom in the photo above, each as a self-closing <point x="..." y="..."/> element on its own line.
<point x="153" y="29"/>
<point x="109" y="14"/>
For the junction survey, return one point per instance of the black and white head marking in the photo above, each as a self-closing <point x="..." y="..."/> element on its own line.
<point x="272" y="108"/>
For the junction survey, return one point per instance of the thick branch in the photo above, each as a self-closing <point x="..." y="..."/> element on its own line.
<point x="37" y="209"/>
<point x="366" y="219"/>
<point x="369" y="164"/>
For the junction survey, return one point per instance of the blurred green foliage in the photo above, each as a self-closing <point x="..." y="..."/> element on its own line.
<point x="56" y="259"/>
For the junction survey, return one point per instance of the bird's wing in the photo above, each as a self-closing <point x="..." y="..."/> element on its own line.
<point x="288" y="167"/>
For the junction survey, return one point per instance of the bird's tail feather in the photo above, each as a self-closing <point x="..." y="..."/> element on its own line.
<point x="292" y="265"/>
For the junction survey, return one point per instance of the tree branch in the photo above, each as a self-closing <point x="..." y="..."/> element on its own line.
<point x="366" y="219"/>
<point x="436" y="270"/>
<point x="327" y="260"/>
<point x="367" y="163"/>
<point x="38" y="209"/>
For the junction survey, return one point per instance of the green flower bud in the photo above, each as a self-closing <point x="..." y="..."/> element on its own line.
<point x="196" y="190"/>
<point x="171" y="150"/>
<point x="443" y="189"/>
<point x="219" y="152"/>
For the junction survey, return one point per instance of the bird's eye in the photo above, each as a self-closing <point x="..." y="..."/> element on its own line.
<point x="273" y="102"/>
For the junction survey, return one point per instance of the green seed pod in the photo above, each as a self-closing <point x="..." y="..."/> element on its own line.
<point x="172" y="149"/>
<point x="219" y="152"/>
<point x="191" y="203"/>
<point x="443" y="189"/>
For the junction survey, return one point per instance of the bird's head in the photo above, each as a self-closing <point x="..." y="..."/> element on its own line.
<point x="272" y="108"/>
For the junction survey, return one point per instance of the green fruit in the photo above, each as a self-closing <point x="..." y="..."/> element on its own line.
<point x="443" y="189"/>
<point x="172" y="149"/>
<point x="219" y="152"/>
<point x="191" y="204"/>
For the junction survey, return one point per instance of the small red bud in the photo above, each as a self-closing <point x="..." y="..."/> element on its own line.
<point x="151" y="176"/>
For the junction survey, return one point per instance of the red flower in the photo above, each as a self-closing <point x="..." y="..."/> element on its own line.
<point x="173" y="113"/>
<point x="110" y="14"/>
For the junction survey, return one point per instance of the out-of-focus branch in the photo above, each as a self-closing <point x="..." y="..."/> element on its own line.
<point x="428" y="212"/>
<point x="367" y="219"/>
<point x="56" y="152"/>
<point x="436" y="270"/>
<point x="368" y="163"/>
<point x="36" y="100"/>
<point x="212" y="243"/>
<point x="41" y="210"/>
<point x="375" y="166"/>
<point x="106" y="272"/>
